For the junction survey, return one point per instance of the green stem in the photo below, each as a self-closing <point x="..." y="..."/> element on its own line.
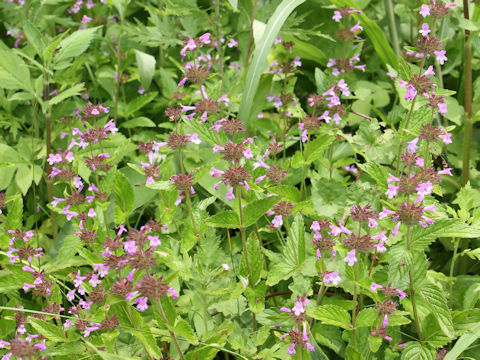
<point x="245" y="252"/>
<point x="330" y="161"/>
<point x="452" y="268"/>
<point x="402" y="131"/>
<point x="412" y="291"/>
<point x="172" y="334"/>
<point x="393" y="27"/>
<point x="219" y="43"/>
<point x="354" y="310"/>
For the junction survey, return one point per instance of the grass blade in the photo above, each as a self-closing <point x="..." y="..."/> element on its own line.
<point x="262" y="49"/>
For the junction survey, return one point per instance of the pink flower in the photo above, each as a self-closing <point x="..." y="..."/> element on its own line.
<point x="130" y="247"/>
<point x="277" y="221"/>
<point x="411" y="92"/>
<point x="446" y="137"/>
<point x="230" y="196"/>
<point x="331" y="278"/>
<point x="441" y="56"/>
<point x="232" y="43"/>
<point x="425" y="11"/>
<point x="412" y="145"/>
<point x="374" y="287"/>
<point x="86" y="19"/>
<point x="425" y="30"/>
<point x="337" y="15"/>
<point x="141" y="303"/>
<point x="351" y="258"/>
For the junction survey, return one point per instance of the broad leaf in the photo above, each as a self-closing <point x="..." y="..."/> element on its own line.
<point x="146" y="68"/>
<point x="438" y="304"/>
<point x="75" y="44"/>
<point x="332" y="315"/>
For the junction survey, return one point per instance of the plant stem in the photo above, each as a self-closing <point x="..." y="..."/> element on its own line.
<point x="402" y="140"/>
<point x="412" y="291"/>
<point x="219" y="43"/>
<point x="245" y="252"/>
<point x="452" y="268"/>
<point x="354" y="310"/>
<point x="467" y="139"/>
<point x="172" y="334"/>
<point x="330" y="161"/>
<point x="393" y="27"/>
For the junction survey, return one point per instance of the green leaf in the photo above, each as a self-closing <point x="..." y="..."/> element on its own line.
<point x="255" y="209"/>
<point x="438" y="304"/>
<point x="471" y="296"/>
<point x="366" y="317"/>
<point x="8" y="155"/>
<point x="295" y="247"/>
<point x="463" y="343"/>
<point x="141" y="121"/>
<point x="259" y="61"/>
<point x="45" y="328"/>
<point x="184" y="329"/>
<point x="146" y="68"/>
<point x="24" y="178"/>
<point x="254" y="257"/>
<point x="34" y="36"/>
<point x="124" y="196"/>
<point x="105" y="355"/>
<point x="417" y="351"/>
<point x="332" y="315"/>
<point x="139" y="102"/>
<point x="14" y="74"/>
<point x="280" y="271"/>
<point x="15" y="213"/>
<point x="74" y="90"/>
<point x="227" y="219"/>
<point x="75" y="44"/>
<point x="422" y="237"/>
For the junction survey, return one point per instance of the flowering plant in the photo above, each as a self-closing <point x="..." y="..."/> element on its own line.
<point x="250" y="179"/>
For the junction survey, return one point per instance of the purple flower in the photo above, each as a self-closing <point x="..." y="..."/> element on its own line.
<point x="411" y="92"/>
<point x="141" y="303"/>
<point x="374" y="287"/>
<point x="441" y="56"/>
<point x="331" y="278"/>
<point x="337" y="15"/>
<point x="230" y="196"/>
<point x="86" y="19"/>
<point x="351" y="258"/>
<point x="425" y="11"/>
<point x="232" y="43"/>
<point x="277" y="221"/>
<point x="425" y="30"/>
<point x="412" y="145"/>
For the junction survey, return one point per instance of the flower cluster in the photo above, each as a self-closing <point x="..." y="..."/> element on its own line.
<point x="298" y="335"/>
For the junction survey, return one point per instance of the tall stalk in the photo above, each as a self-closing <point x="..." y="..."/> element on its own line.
<point x="467" y="139"/>
<point x="393" y="27"/>
<point x="245" y="252"/>
<point x="412" y="291"/>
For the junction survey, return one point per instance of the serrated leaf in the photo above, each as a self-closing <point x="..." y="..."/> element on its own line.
<point x="139" y="102"/>
<point x="141" y="121"/>
<point x="14" y="74"/>
<point x="123" y="191"/>
<point x="255" y="209"/>
<point x="422" y="237"/>
<point x="295" y="247"/>
<point x="438" y="304"/>
<point x="414" y="350"/>
<point x="34" y="36"/>
<point x="332" y="315"/>
<point x="15" y="214"/>
<point x="146" y="68"/>
<point x="254" y="257"/>
<point x="47" y="329"/>
<point x="227" y="219"/>
<point x="366" y="317"/>
<point x="259" y="61"/>
<point x="75" y="44"/>
<point x="184" y="329"/>
<point x="74" y="90"/>
<point x="280" y="271"/>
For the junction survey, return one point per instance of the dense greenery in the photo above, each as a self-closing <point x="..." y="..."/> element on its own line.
<point x="252" y="179"/>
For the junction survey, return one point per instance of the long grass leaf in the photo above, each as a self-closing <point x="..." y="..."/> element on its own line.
<point x="262" y="49"/>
